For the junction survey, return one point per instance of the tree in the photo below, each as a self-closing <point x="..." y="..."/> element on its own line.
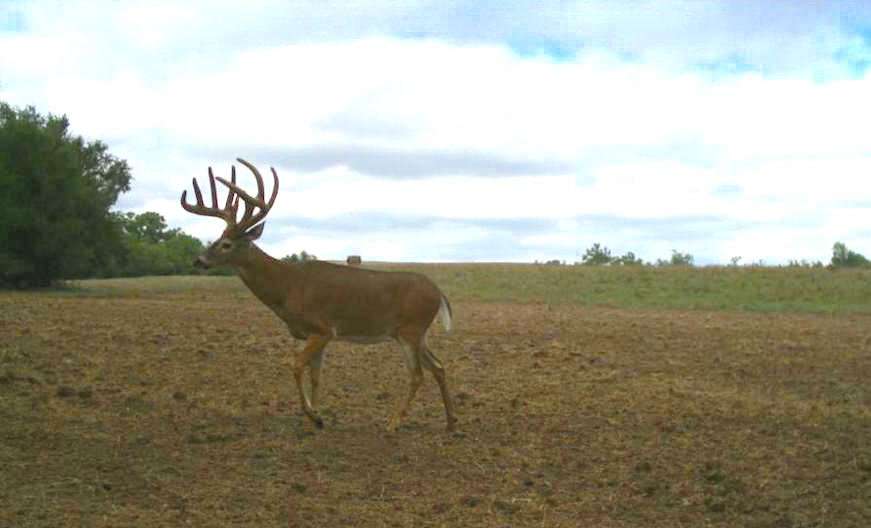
<point x="677" y="259"/>
<point x="844" y="258"/>
<point x="302" y="257"/>
<point x="597" y="255"/>
<point x="148" y="226"/>
<point x="629" y="259"/>
<point x="150" y="248"/>
<point x="55" y="193"/>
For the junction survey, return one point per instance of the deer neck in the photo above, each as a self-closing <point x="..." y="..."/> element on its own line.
<point x="265" y="276"/>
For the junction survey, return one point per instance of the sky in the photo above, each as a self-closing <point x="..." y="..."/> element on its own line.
<point x="438" y="131"/>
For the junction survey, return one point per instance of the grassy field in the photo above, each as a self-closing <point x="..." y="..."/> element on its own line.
<point x="758" y="289"/>
<point x="586" y="397"/>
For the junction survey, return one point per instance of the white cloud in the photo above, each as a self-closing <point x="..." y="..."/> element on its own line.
<point x="626" y="127"/>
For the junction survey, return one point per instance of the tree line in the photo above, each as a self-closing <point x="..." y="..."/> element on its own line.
<point x="599" y="255"/>
<point x="57" y="191"/>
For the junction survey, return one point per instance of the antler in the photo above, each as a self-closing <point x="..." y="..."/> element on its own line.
<point x="249" y="219"/>
<point x="231" y="206"/>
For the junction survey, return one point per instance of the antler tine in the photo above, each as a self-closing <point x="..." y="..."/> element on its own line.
<point x="274" y="189"/>
<point x="231" y="194"/>
<point x="184" y="203"/>
<point x="265" y="206"/>
<point x="249" y="207"/>
<point x="227" y="214"/>
<point x="198" y="193"/>
<point x="214" y="190"/>
<point x="257" y="176"/>
<point x="249" y="218"/>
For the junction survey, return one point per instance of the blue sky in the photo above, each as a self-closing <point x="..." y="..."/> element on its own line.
<point x="487" y="131"/>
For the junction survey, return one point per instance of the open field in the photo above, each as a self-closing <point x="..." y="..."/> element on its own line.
<point x="586" y="397"/>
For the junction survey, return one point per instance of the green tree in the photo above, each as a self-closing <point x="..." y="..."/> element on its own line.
<point x="597" y="255"/>
<point x="150" y="248"/>
<point x="677" y="259"/>
<point x="629" y="259"/>
<point x="148" y="226"/>
<point x="842" y="257"/>
<point x="302" y="257"/>
<point x="55" y="193"/>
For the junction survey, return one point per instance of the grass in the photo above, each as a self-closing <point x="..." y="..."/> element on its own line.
<point x="755" y="289"/>
<point x="721" y="288"/>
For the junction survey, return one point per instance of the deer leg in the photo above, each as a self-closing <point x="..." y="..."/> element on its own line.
<point x="315" y="376"/>
<point x="432" y="363"/>
<point x="313" y="347"/>
<point x="412" y="361"/>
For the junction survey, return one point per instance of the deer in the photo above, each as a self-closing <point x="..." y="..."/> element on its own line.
<point x="320" y="302"/>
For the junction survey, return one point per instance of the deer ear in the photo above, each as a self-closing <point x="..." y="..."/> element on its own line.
<point x="255" y="232"/>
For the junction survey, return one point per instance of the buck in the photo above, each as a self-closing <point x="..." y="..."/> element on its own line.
<point x="320" y="302"/>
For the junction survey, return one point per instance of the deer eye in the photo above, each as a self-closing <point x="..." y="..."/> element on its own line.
<point x="226" y="244"/>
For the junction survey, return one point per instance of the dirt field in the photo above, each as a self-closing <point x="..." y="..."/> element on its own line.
<point x="177" y="408"/>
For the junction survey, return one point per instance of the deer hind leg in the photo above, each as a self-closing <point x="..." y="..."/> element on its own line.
<point x="412" y="360"/>
<point x="315" y="377"/>
<point x="313" y="348"/>
<point x="432" y="363"/>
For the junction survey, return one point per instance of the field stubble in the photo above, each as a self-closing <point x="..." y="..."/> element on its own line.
<point x="165" y="402"/>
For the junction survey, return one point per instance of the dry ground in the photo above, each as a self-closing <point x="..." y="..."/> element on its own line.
<point x="165" y="408"/>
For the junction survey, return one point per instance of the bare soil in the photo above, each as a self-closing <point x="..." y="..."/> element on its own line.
<point x="178" y="409"/>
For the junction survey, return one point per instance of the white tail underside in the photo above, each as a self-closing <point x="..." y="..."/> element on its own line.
<point x="445" y="315"/>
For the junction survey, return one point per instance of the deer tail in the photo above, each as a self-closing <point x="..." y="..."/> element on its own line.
<point x="445" y="313"/>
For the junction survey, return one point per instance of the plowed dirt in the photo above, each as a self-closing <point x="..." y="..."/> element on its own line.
<point x="176" y="409"/>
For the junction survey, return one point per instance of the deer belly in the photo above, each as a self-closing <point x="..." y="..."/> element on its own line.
<point x="358" y="335"/>
<point x="363" y="340"/>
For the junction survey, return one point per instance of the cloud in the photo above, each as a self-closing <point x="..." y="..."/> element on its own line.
<point x="502" y="239"/>
<point x="487" y="131"/>
<point x="398" y="164"/>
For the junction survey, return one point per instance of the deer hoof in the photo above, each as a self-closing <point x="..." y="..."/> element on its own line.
<point x="319" y="422"/>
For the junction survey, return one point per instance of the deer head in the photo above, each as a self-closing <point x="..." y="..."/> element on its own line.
<point x="236" y="240"/>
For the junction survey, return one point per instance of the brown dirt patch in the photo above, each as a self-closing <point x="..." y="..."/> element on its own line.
<point x="180" y="410"/>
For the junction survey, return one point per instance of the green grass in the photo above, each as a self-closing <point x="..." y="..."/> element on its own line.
<point x="714" y="288"/>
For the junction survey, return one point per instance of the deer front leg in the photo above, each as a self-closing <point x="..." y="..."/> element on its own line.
<point x="313" y="347"/>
